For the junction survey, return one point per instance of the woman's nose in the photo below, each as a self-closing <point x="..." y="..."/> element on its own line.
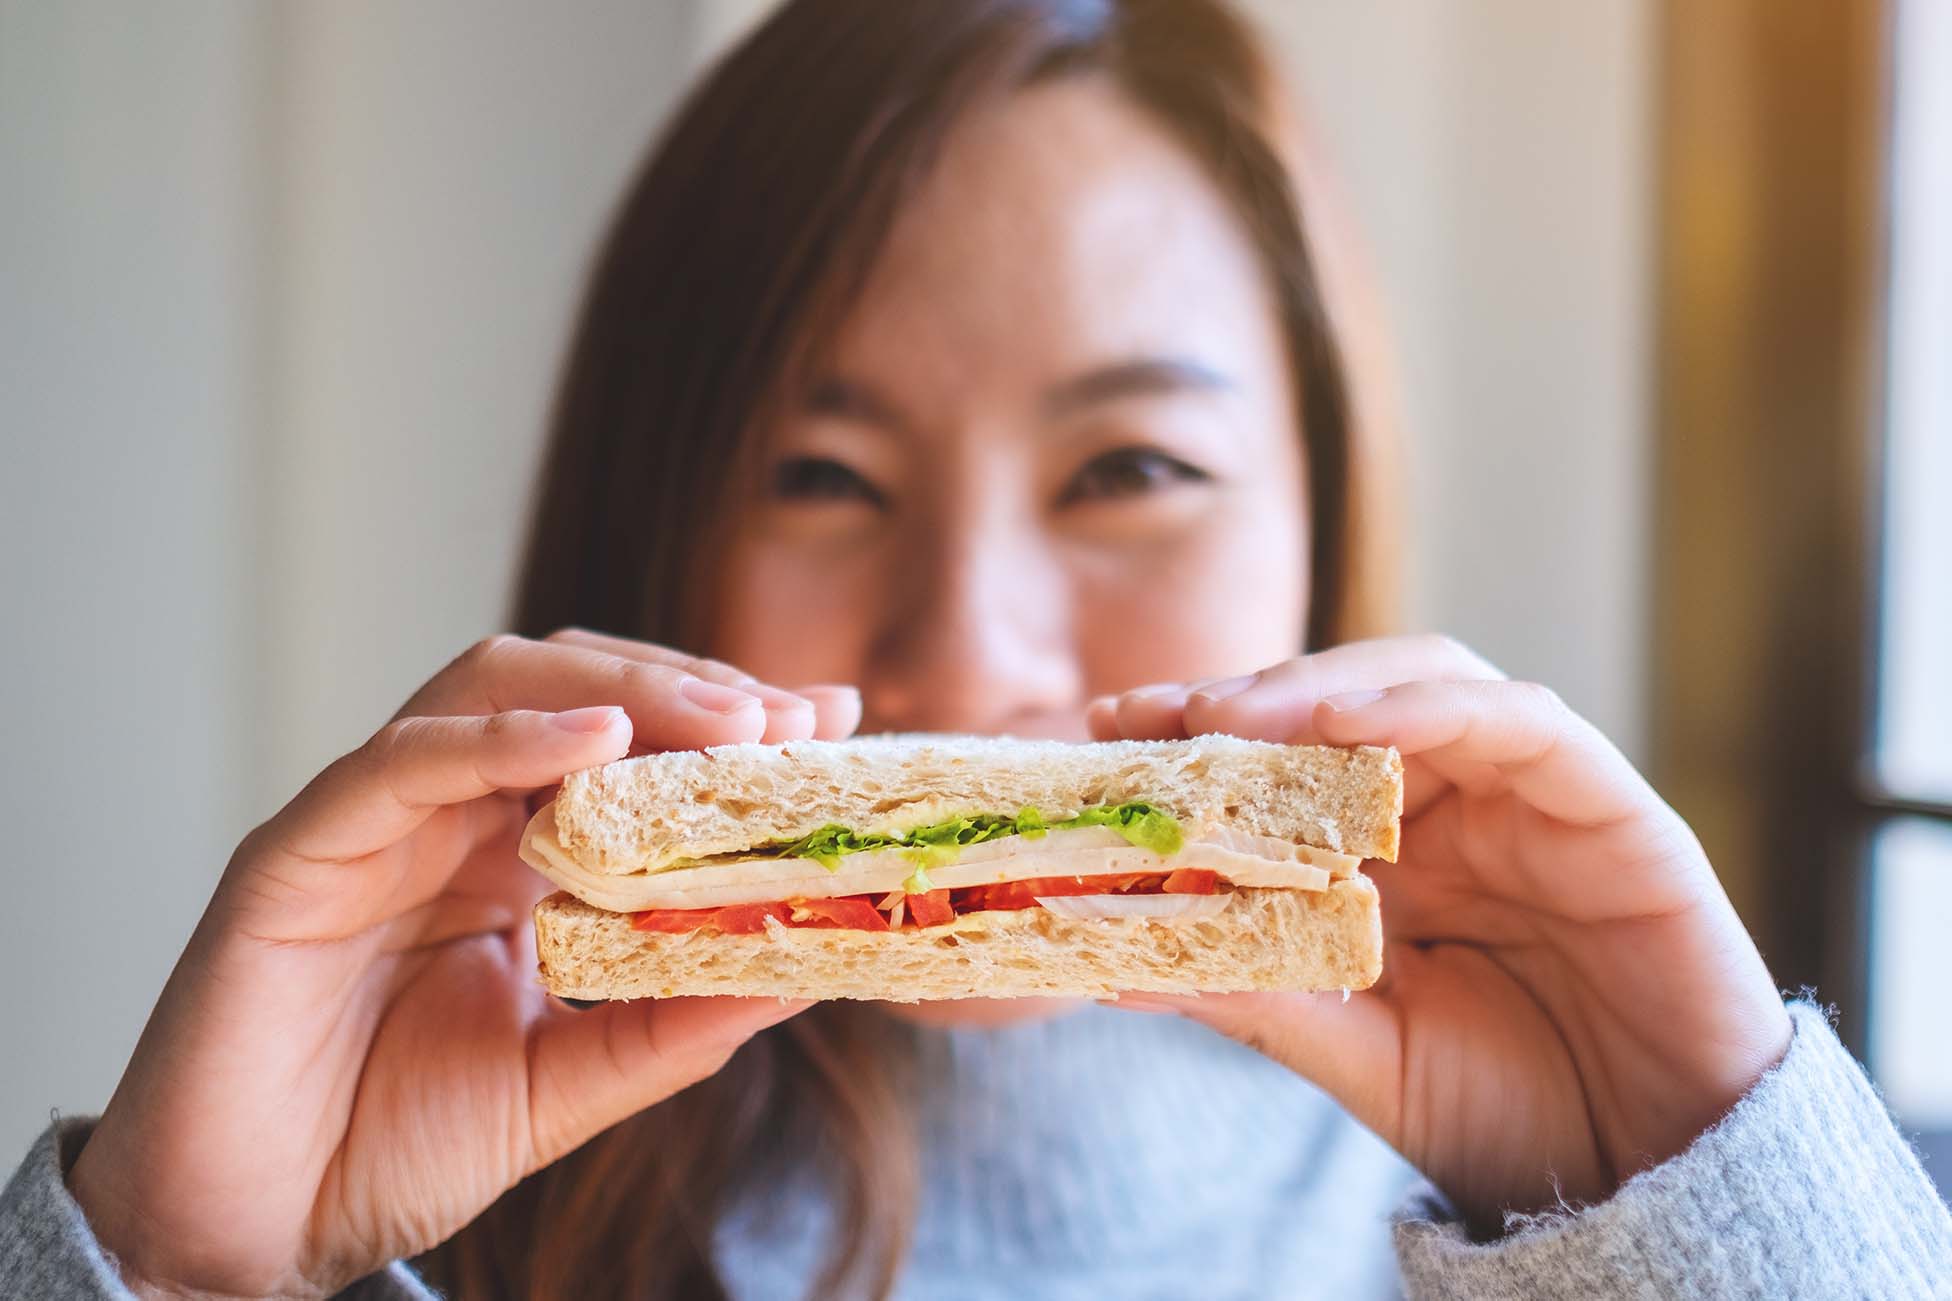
<point x="978" y="639"/>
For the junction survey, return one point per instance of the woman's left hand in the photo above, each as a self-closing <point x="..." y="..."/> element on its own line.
<point x="1567" y="995"/>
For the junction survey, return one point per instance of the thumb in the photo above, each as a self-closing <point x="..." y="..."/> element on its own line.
<point x="589" y="1070"/>
<point x="1349" y="1046"/>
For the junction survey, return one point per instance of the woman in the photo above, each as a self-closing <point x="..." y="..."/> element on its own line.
<point x="971" y="351"/>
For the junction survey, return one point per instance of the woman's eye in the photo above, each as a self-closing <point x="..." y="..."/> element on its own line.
<point x="1128" y="472"/>
<point x="817" y="478"/>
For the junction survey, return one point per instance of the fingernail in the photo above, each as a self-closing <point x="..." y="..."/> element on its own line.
<point x="1350" y="700"/>
<point x="774" y="698"/>
<point x="1225" y="687"/>
<point x="580" y="1004"/>
<point x="589" y="720"/>
<point x="1154" y="690"/>
<point x="832" y="688"/>
<point x="712" y="697"/>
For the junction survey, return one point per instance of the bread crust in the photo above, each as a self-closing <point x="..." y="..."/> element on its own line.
<point x="644" y="813"/>
<point x="1266" y="940"/>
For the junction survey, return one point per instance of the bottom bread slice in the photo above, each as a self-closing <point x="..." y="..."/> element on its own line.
<point x="1266" y="939"/>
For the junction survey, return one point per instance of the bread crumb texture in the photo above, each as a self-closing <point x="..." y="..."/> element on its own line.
<point x="1266" y="940"/>
<point x="644" y="813"/>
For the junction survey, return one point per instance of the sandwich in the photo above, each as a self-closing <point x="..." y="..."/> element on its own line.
<point x="922" y="867"/>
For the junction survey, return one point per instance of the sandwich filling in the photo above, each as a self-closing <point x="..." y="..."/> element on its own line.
<point x="1115" y="861"/>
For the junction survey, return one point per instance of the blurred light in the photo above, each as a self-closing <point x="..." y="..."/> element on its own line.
<point x="1914" y="749"/>
<point x="1911" y="970"/>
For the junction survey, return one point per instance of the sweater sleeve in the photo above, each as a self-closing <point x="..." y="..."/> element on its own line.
<point x="1805" y="1188"/>
<point x="48" y="1250"/>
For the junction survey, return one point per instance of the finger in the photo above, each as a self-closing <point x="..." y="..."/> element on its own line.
<point x="1499" y="874"/>
<point x="1276" y="704"/>
<point x="837" y="709"/>
<point x="1483" y="736"/>
<point x="1152" y="713"/>
<point x="590" y="1069"/>
<point x="477" y="887"/>
<point x="1101" y="718"/>
<point x="648" y="652"/>
<point x="670" y="707"/>
<point x="790" y="716"/>
<point x="1433" y="895"/>
<point x="1350" y="1048"/>
<point x="382" y="791"/>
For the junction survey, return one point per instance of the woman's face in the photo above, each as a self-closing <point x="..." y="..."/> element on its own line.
<point x="1053" y="452"/>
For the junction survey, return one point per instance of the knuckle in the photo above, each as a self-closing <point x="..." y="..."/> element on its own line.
<point x="636" y="679"/>
<point x="391" y="747"/>
<point x="716" y="670"/>
<point x="393" y="738"/>
<point x="488" y="650"/>
<point x="1541" y="724"/>
<point x="692" y="664"/>
<point x="382" y="753"/>
<point x="1542" y="699"/>
<point x="1457" y="651"/>
<point x="570" y="633"/>
<point x="1444" y="646"/>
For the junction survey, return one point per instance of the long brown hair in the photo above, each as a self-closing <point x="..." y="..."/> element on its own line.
<point x="743" y="239"/>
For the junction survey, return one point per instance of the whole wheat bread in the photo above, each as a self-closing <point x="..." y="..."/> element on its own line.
<point x="1265" y="940"/>
<point x="639" y="814"/>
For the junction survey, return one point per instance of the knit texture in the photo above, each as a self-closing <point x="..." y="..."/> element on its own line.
<point x="1805" y="1189"/>
<point x="1110" y="1154"/>
<point x="47" y="1249"/>
<point x="1118" y="1154"/>
<point x="45" y="1246"/>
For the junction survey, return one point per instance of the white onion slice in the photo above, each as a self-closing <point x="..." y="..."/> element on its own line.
<point x="1152" y="907"/>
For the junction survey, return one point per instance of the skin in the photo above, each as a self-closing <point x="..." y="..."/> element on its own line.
<point x="1100" y="426"/>
<point x="352" y="1058"/>
<point x="1060" y="406"/>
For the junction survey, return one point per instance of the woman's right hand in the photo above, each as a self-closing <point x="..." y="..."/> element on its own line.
<point x="352" y="1058"/>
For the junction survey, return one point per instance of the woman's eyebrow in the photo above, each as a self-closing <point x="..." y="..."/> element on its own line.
<point x="847" y="399"/>
<point x="1138" y="377"/>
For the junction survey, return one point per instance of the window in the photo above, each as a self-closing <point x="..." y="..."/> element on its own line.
<point x="1911" y="973"/>
<point x="1909" y="983"/>
<point x="1914" y="746"/>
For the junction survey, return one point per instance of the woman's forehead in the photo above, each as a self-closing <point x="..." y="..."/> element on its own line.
<point x="1059" y="229"/>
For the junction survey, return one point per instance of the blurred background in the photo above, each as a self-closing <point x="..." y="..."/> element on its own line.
<point x="283" y="289"/>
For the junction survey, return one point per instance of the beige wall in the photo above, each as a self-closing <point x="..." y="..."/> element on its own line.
<point x="1497" y="155"/>
<point x="445" y="169"/>
<point x="282" y="292"/>
<point x="129" y="313"/>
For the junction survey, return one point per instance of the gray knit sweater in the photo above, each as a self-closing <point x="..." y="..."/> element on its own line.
<point x="1112" y="1154"/>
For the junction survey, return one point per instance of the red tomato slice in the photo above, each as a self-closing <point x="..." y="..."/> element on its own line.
<point x="854" y="914"/>
<point x="1191" y="880"/>
<point x="671" y="921"/>
<point x="930" y="909"/>
<point x="1023" y="894"/>
<point x="747" y="918"/>
<point x="734" y="919"/>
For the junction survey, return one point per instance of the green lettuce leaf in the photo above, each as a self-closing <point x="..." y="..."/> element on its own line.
<point x="939" y="843"/>
<point x="827" y="845"/>
<point x="1142" y="824"/>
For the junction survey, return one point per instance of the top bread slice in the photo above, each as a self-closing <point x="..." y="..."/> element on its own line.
<point x="643" y="814"/>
